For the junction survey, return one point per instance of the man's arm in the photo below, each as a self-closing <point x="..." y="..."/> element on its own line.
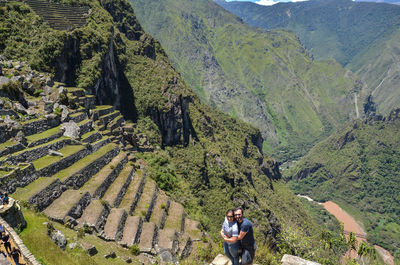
<point x="241" y="235"/>
<point x="231" y="239"/>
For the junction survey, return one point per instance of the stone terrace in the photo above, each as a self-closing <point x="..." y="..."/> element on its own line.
<point x="91" y="181"/>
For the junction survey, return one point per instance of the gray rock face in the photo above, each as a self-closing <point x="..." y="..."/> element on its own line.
<point x="18" y="107"/>
<point x="20" y="137"/>
<point x="293" y="260"/>
<point x="71" y="129"/>
<point x="59" y="238"/>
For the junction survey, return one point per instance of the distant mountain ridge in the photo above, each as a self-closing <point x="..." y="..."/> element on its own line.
<point x="265" y="78"/>
<point x="363" y="37"/>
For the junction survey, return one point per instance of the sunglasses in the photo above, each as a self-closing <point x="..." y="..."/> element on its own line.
<point x="229" y="216"/>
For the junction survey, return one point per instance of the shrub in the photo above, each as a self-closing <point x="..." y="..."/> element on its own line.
<point x="163" y="206"/>
<point x="134" y="249"/>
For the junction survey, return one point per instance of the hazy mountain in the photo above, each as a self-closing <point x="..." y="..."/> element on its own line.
<point x="361" y="36"/>
<point x="265" y="78"/>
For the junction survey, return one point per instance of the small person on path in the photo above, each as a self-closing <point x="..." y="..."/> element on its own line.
<point x="15" y="253"/>
<point x="246" y="237"/>
<point x="6" y="241"/>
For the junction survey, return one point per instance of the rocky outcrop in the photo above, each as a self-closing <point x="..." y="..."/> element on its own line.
<point x="307" y="171"/>
<point x="175" y="125"/>
<point x="293" y="260"/>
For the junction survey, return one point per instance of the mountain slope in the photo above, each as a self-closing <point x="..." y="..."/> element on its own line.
<point x="201" y="157"/>
<point x="361" y="36"/>
<point x="265" y="78"/>
<point x="359" y="168"/>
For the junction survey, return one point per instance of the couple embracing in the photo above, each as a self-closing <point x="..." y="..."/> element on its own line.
<point x="237" y="232"/>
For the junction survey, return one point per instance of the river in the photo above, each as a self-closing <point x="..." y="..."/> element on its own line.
<point x="351" y="225"/>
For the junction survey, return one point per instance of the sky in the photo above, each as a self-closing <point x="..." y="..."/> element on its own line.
<point x="267" y="2"/>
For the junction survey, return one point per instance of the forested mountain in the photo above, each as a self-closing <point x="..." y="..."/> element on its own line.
<point x="265" y="78"/>
<point x="363" y="37"/>
<point x="358" y="167"/>
<point x="54" y="58"/>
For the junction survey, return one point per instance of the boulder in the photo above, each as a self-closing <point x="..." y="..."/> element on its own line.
<point x="4" y="80"/>
<point x="293" y="260"/>
<point x="90" y="249"/>
<point x="31" y="112"/>
<point x="221" y="260"/>
<point x="11" y="124"/>
<point x="47" y="90"/>
<point x="110" y="255"/>
<point x="58" y="237"/>
<point x="73" y="245"/>
<point x="71" y="129"/>
<point x="18" y="67"/>
<point x="1" y="103"/>
<point x="64" y="113"/>
<point x="48" y="106"/>
<point x="49" y="82"/>
<point x="55" y="153"/>
<point x="127" y="259"/>
<point x="19" y="108"/>
<point x="9" y="64"/>
<point x="20" y="137"/>
<point x="17" y="78"/>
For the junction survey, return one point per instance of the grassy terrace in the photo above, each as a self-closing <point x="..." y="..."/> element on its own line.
<point x="65" y="173"/>
<point x="116" y="186"/>
<point x="27" y="192"/>
<point x="7" y="143"/>
<point x="97" y="179"/>
<point x="131" y="191"/>
<point x="88" y="134"/>
<point x="35" y="147"/>
<point x="48" y="160"/>
<point x="45" y="134"/>
<point x="103" y="107"/>
<point x="39" y="243"/>
<point x="145" y="200"/>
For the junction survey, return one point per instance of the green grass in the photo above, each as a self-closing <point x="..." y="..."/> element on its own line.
<point x="7" y="143"/>
<point x="48" y="159"/>
<point x="63" y="174"/>
<point x="25" y="193"/>
<point x="86" y="135"/>
<point x="45" y="134"/>
<point x="45" y="250"/>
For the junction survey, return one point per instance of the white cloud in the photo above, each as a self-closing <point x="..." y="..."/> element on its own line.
<point x="272" y="2"/>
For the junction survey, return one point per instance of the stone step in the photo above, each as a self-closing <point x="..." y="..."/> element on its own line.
<point x="132" y="231"/>
<point x="94" y="216"/>
<point x="78" y="116"/>
<point x="160" y="209"/>
<point x="77" y="92"/>
<point x="9" y="147"/>
<point x="133" y="193"/>
<point x="100" y="143"/>
<point x="49" y="165"/>
<point x="31" y="154"/>
<point x="192" y="228"/>
<point x="44" y="137"/>
<point x="148" y="237"/>
<point x="108" y="117"/>
<point x="40" y="125"/>
<point x="85" y="126"/>
<point x="145" y="206"/>
<point x="114" y="226"/>
<point x="118" y="188"/>
<point x="100" y="182"/>
<point x="185" y="246"/>
<point x="100" y="111"/>
<point x="91" y="137"/>
<point x="80" y="172"/>
<point x="168" y="239"/>
<point x="70" y="203"/>
<point x="116" y="123"/>
<point x="175" y="218"/>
